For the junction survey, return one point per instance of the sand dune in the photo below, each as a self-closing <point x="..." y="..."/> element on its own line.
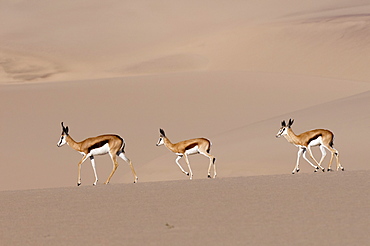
<point x="240" y="122"/>
<point x="169" y="64"/>
<point x="305" y="209"/>
<point x="98" y="40"/>
<point x="228" y="71"/>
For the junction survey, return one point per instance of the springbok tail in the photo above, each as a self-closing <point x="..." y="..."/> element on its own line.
<point x="123" y="146"/>
<point x="331" y="144"/>
<point x="122" y="149"/>
<point x="209" y="146"/>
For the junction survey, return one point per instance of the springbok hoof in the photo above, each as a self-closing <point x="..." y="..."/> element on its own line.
<point x="209" y="176"/>
<point x="330" y="170"/>
<point x="342" y="168"/>
<point x="187" y="174"/>
<point x="295" y="171"/>
<point x="78" y="184"/>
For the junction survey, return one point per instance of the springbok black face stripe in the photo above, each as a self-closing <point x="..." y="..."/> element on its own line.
<point x="61" y="140"/>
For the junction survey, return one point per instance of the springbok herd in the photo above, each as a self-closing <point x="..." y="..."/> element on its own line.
<point x="114" y="145"/>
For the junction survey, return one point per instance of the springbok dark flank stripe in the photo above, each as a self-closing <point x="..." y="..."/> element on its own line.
<point x="314" y="138"/>
<point x="190" y="146"/>
<point x="97" y="145"/>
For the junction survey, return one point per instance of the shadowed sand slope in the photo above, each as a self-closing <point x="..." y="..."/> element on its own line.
<point x="256" y="143"/>
<point x="305" y="209"/>
<point x="240" y="112"/>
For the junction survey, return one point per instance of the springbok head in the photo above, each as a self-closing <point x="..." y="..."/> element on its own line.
<point x="162" y="135"/>
<point x="284" y="128"/>
<point x="62" y="141"/>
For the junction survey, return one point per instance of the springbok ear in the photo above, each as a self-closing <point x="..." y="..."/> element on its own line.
<point x="290" y="122"/>
<point x="283" y="124"/>
<point x="162" y="132"/>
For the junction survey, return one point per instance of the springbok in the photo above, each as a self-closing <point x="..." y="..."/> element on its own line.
<point x="189" y="147"/>
<point x="100" y="145"/>
<point x="304" y="141"/>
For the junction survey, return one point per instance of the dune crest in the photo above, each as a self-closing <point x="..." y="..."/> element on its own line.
<point x="167" y="64"/>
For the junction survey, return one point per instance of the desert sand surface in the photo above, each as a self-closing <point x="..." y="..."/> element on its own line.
<point x="229" y="71"/>
<point x="306" y="209"/>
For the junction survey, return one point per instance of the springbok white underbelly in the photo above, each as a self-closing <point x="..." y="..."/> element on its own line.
<point x="316" y="142"/>
<point x="192" y="151"/>
<point x="101" y="150"/>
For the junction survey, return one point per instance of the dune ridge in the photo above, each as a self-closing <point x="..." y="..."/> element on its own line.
<point x="305" y="209"/>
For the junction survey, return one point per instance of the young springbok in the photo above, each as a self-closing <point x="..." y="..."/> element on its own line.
<point x="189" y="147"/>
<point x="110" y="144"/>
<point x="304" y="141"/>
